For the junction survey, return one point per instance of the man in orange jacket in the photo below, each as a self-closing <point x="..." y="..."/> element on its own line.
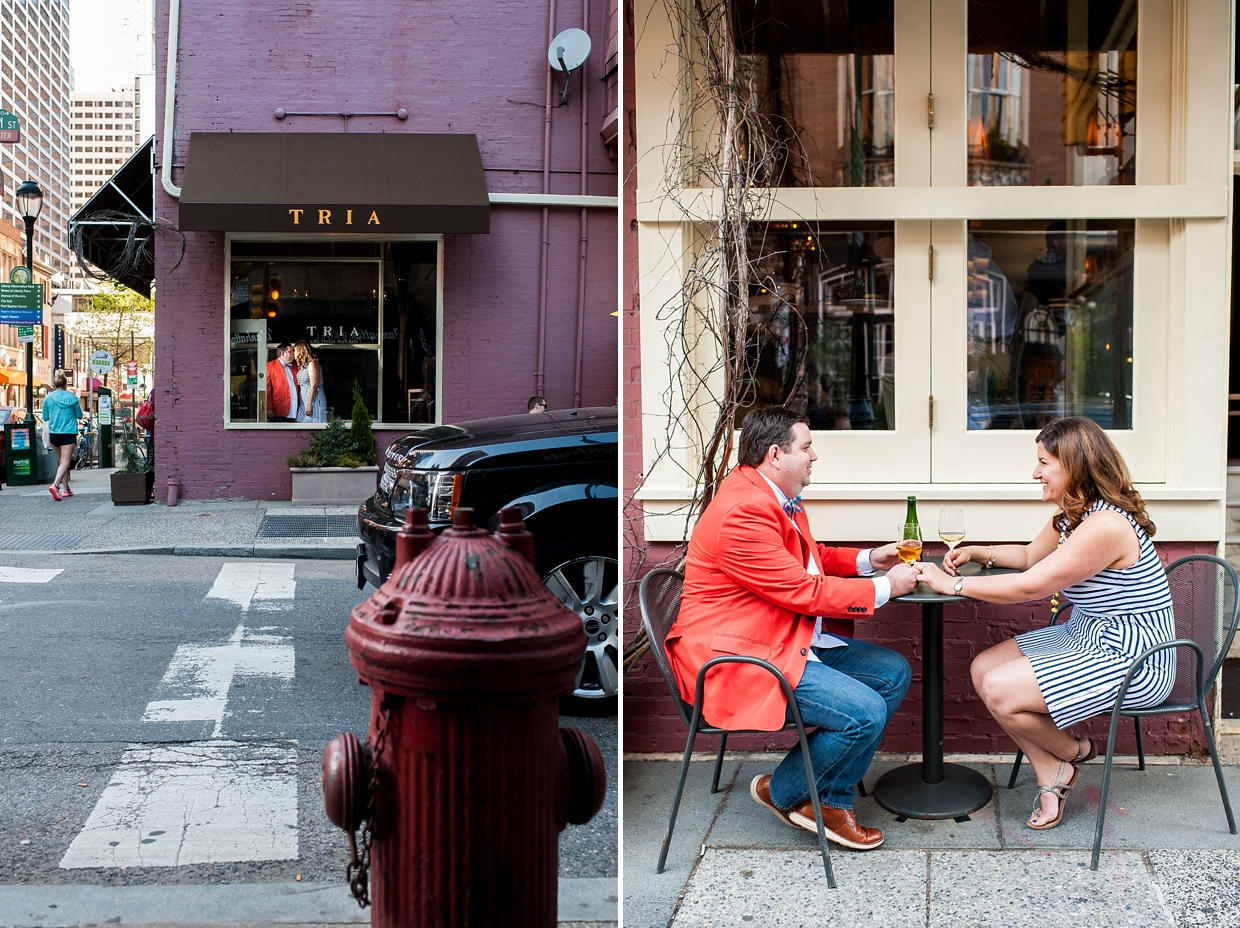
<point x="756" y="583"/>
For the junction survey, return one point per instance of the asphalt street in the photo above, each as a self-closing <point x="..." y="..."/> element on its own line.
<point x="128" y="683"/>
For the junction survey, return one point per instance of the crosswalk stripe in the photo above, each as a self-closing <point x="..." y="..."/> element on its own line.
<point x="206" y="801"/>
<point x="28" y="574"/>
<point x="242" y="583"/>
<point x="202" y="802"/>
<point x="199" y="676"/>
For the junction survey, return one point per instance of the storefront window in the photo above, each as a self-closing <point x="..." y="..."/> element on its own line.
<point x="1052" y="92"/>
<point x="1050" y="322"/>
<point x="356" y="305"/>
<point x="824" y="75"/>
<point x="821" y="327"/>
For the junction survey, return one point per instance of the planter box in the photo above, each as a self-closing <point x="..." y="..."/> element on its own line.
<point x="132" y="489"/>
<point x="333" y="486"/>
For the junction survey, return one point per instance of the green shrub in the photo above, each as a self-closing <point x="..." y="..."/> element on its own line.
<point x="363" y="437"/>
<point x="328" y="447"/>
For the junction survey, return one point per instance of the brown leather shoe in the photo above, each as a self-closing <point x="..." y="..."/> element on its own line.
<point x="760" y="790"/>
<point x="840" y="824"/>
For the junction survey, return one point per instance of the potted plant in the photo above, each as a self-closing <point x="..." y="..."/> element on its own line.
<point x="134" y="479"/>
<point x="339" y="467"/>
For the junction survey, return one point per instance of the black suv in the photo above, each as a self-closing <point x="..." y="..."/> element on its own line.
<point x="560" y="468"/>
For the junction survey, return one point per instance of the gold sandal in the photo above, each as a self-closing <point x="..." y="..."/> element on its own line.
<point x="1060" y="791"/>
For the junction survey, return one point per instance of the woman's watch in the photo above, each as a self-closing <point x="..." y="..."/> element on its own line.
<point x="959" y="584"/>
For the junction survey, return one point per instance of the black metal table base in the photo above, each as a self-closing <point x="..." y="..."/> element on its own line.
<point x="962" y="791"/>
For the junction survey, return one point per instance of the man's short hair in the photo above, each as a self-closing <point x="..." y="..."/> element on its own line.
<point x="535" y="401"/>
<point x="284" y="346"/>
<point x="771" y="425"/>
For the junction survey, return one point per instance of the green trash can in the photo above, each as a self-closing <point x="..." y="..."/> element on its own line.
<point x="21" y="466"/>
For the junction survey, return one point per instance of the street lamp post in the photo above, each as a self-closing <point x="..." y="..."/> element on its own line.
<point x="30" y="204"/>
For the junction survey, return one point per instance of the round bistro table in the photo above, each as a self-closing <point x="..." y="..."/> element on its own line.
<point x="933" y="789"/>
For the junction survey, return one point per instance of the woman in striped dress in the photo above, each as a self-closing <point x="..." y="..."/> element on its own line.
<point x="1097" y="550"/>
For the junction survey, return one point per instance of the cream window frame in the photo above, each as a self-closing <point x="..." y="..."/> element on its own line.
<point x="1181" y="204"/>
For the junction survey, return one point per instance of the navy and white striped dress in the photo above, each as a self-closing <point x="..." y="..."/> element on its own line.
<point x="1116" y="614"/>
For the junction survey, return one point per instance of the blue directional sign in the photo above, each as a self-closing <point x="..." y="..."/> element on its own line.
<point x="21" y="304"/>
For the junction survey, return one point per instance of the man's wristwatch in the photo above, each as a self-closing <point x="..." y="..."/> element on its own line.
<point x="959" y="584"/>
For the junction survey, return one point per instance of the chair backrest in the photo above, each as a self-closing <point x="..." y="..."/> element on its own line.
<point x="660" y="604"/>
<point x="1204" y="596"/>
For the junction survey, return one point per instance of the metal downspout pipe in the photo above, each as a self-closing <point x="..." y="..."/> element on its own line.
<point x="581" y="263"/>
<point x="540" y="370"/>
<point x="170" y="100"/>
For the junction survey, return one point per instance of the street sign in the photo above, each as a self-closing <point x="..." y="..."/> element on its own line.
<point x="101" y="362"/>
<point x="10" y="127"/>
<point x="21" y="304"/>
<point x="131" y="373"/>
<point x="19" y="275"/>
<point x="25" y="333"/>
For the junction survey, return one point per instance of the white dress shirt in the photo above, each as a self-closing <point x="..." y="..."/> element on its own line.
<point x="294" y="396"/>
<point x="882" y="586"/>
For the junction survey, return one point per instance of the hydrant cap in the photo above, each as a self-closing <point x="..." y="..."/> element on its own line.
<point x="468" y="618"/>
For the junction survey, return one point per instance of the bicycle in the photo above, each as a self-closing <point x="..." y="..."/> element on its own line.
<point x="83" y="455"/>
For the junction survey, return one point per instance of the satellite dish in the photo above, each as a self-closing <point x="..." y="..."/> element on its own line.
<point x="569" y="50"/>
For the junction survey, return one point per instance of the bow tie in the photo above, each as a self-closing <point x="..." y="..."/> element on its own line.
<point x="793" y="506"/>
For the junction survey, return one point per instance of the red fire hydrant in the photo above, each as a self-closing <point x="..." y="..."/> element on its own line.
<point x="465" y="779"/>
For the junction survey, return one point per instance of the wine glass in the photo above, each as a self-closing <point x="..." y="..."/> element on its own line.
<point x="951" y="528"/>
<point x="909" y="545"/>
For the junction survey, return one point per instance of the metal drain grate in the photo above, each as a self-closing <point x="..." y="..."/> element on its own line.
<point x="39" y="542"/>
<point x="340" y="526"/>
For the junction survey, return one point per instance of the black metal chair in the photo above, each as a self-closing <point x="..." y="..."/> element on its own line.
<point x="1204" y="598"/>
<point x="660" y="604"/>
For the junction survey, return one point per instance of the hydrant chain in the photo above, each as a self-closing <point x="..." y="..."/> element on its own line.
<point x="358" y="870"/>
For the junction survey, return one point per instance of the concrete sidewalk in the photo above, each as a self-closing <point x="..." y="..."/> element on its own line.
<point x="1168" y="858"/>
<point x="88" y="522"/>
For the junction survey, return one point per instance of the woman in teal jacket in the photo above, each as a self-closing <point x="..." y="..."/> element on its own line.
<point x="61" y="411"/>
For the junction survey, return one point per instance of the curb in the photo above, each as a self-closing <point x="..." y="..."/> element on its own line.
<point x="278" y="551"/>
<point x="582" y="899"/>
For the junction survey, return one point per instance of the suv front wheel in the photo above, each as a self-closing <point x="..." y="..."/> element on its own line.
<point x="588" y="584"/>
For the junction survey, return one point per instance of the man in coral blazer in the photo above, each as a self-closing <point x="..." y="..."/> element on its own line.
<point x="282" y="392"/>
<point x="757" y="584"/>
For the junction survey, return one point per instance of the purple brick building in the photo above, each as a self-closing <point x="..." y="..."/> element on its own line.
<point x="375" y="179"/>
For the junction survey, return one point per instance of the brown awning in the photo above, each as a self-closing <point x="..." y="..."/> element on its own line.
<point x="334" y="182"/>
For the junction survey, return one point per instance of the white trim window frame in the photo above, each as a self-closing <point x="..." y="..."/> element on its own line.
<point x="284" y="238"/>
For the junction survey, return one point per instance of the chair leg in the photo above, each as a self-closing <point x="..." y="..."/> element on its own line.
<point x="815" y="801"/>
<point x="1136" y="722"/>
<point x="1218" y="767"/>
<point x="723" y="743"/>
<point x="1106" y="786"/>
<point x="1015" y="768"/>
<point x="680" y="788"/>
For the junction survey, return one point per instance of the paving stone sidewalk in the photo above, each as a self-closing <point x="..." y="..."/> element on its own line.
<point x="1168" y="857"/>
<point x="88" y="522"/>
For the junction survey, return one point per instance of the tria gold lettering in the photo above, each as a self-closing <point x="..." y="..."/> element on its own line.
<point x="325" y="217"/>
<point x="296" y="214"/>
<point x="348" y="217"/>
<point x="373" y="220"/>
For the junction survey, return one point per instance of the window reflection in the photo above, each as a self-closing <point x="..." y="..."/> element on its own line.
<point x="1049" y="322"/>
<point x="824" y="79"/>
<point x="821" y="330"/>
<point x="1052" y="92"/>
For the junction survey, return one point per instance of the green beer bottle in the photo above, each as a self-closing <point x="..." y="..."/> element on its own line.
<point x="910" y="517"/>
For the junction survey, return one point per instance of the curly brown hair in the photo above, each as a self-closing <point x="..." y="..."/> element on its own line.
<point x="1095" y="471"/>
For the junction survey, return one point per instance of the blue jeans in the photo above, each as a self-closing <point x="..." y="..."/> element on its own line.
<point x="849" y="698"/>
